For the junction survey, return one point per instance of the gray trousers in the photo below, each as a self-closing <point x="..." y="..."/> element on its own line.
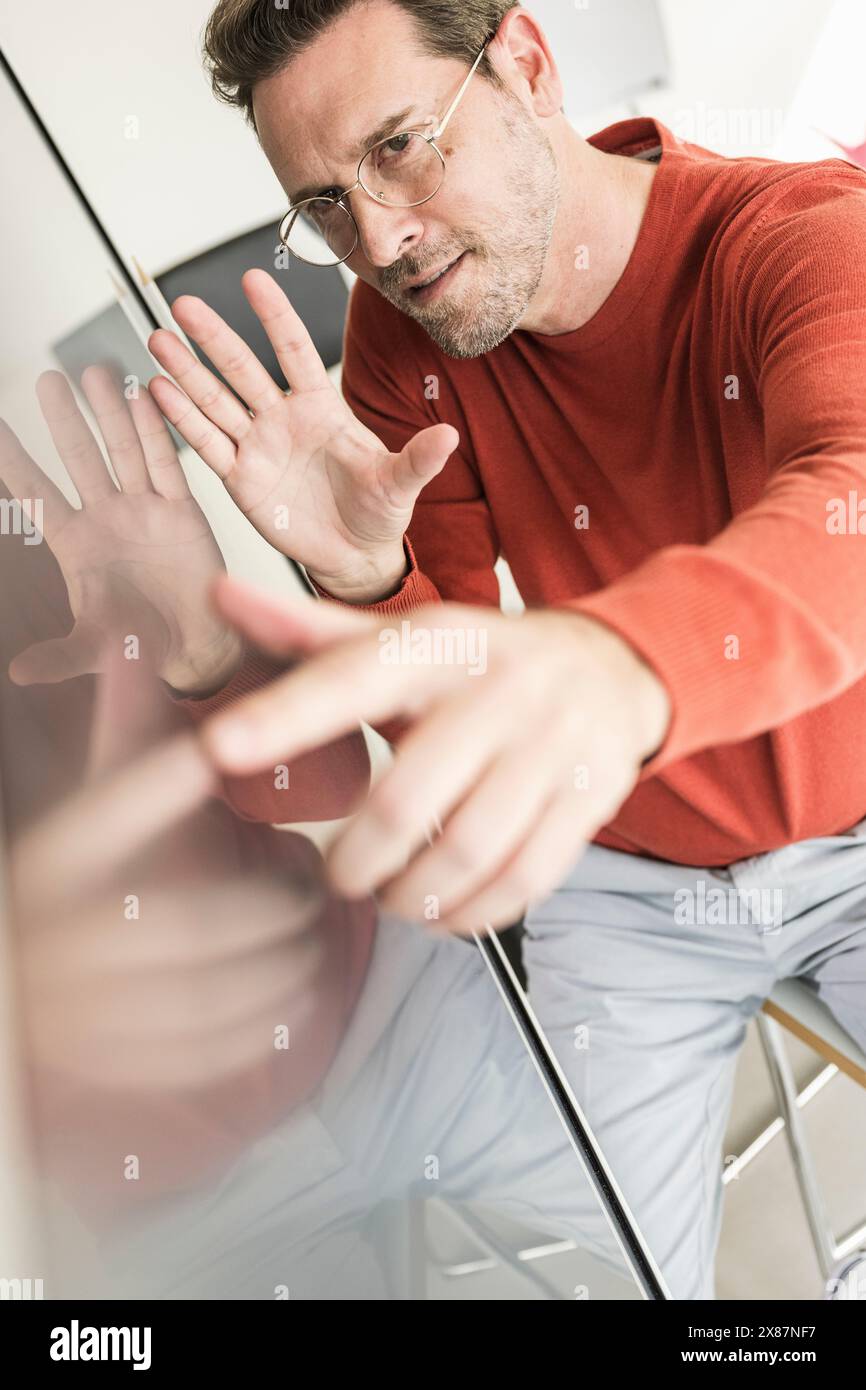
<point x="432" y="1095"/>
<point x="644" y="975"/>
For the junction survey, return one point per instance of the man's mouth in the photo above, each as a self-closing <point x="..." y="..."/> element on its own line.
<point x="428" y="289"/>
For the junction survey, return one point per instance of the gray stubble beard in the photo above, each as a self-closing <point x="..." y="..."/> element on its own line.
<point x="516" y="258"/>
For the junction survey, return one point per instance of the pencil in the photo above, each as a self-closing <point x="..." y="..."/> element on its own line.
<point x="158" y="303"/>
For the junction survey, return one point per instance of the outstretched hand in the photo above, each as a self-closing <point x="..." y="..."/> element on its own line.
<point x="314" y="481"/>
<point x="138" y="557"/>
<point x="525" y="736"/>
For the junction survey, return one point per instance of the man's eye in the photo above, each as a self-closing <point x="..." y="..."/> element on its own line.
<point x="324" y="207"/>
<point x="398" y="144"/>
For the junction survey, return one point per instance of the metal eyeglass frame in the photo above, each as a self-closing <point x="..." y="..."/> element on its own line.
<point x="295" y="211"/>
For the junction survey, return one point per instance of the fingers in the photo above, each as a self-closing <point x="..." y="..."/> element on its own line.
<point x="134" y="1043"/>
<point x="85" y="841"/>
<point x="532" y="873"/>
<point x="160" y="455"/>
<point x="544" y="855"/>
<point x="214" y="402"/>
<point x="282" y="628"/>
<point x="421" y="460"/>
<point x="211" y="445"/>
<point x="437" y="763"/>
<point x="496" y="818"/>
<point x="296" y="353"/>
<point x="321" y="700"/>
<point x="180" y="930"/>
<point x="209" y="998"/>
<point x="59" y="659"/>
<point x="73" y="439"/>
<point x="28" y="484"/>
<point x="117" y="429"/>
<point x="228" y="352"/>
<point x="189" y="997"/>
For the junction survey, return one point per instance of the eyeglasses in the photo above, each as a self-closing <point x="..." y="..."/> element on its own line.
<point x="403" y="171"/>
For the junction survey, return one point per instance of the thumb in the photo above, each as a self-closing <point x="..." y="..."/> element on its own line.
<point x="59" y="659"/>
<point x="421" y="460"/>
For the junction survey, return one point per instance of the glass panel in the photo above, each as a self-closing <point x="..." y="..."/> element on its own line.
<point x="238" y="1086"/>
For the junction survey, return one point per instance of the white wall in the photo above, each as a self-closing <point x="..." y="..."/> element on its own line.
<point x="122" y="90"/>
<point x="737" y="68"/>
<point x="52" y="271"/>
<point x="736" y="57"/>
<point x="831" y="99"/>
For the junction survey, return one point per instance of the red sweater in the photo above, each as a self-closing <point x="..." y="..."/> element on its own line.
<point x="712" y="418"/>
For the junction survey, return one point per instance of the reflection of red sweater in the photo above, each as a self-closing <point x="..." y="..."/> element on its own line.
<point x="707" y="416"/>
<point x="327" y="784"/>
<point x="186" y="1142"/>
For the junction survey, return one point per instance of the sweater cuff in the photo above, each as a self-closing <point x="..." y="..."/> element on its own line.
<point x="415" y="590"/>
<point x="256" y="671"/>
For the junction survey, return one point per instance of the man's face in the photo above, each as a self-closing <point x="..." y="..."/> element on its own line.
<point x="489" y="226"/>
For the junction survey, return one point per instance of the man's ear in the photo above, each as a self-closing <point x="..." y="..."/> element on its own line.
<point x="522" y="57"/>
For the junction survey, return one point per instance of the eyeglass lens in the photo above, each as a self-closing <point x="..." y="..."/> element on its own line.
<point x="400" y="172"/>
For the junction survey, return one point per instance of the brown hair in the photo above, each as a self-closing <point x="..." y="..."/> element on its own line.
<point x="247" y="41"/>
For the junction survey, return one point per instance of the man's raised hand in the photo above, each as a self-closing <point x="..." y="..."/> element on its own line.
<point x="314" y="481"/>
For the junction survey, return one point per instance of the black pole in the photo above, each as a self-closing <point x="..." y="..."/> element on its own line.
<point x="539" y="1049"/>
<point x="83" y="200"/>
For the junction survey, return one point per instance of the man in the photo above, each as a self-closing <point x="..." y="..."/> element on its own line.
<point x="635" y="369"/>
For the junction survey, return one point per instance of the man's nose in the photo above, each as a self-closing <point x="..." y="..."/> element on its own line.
<point x="385" y="232"/>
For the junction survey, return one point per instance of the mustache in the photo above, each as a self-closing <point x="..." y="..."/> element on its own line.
<point x="393" y="278"/>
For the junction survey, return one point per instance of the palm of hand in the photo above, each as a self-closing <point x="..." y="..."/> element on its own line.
<point x="140" y="566"/>
<point x="310" y="478"/>
<point x="137" y="557"/>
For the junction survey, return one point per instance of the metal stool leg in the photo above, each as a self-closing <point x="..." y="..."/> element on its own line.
<point x="785" y="1088"/>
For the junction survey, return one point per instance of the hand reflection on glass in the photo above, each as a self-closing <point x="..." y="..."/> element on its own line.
<point x="137" y="557"/>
